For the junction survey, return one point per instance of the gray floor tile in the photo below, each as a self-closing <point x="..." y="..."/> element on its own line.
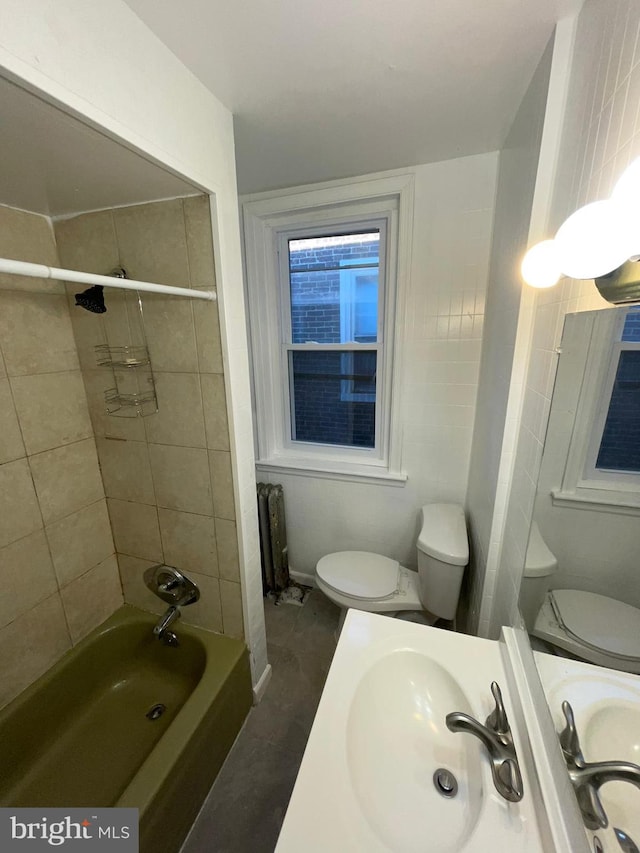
<point x="244" y="810"/>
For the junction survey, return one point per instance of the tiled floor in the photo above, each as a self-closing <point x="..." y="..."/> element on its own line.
<point x="245" y="807"/>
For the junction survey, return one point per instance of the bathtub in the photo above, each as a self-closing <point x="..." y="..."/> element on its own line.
<point x="92" y="730"/>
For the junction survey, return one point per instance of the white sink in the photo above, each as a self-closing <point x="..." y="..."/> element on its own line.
<point x="606" y="705"/>
<point x="402" y="702"/>
<point x="366" y="780"/>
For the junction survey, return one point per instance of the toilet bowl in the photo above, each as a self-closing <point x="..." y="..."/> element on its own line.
<point x="366" y="581"/>
<point x="593" y="628"/>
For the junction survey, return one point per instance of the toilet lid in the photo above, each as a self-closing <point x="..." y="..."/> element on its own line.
<point x="359" y="574"/>
<point x="602" y="622"/>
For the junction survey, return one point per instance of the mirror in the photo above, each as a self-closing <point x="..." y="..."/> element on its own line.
<point x="580" y="593"/>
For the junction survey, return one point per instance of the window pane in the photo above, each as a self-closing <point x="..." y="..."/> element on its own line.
<point x="334" y="288"/>
<point x="631" y="331"/>
<point x="620" y="446"/>
<point x="365" y="320"/>
<point x="333" y="397"/>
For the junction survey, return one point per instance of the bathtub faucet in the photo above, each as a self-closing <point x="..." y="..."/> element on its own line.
<point x="177" y="590"/>
<point x="161" y="630"/>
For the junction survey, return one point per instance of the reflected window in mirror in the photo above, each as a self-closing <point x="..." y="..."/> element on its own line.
<point x="603" y="462"/>
<point x="618" y="440"/>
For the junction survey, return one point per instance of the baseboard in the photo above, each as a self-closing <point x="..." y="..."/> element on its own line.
<point x="302" y="578"/>
<point x="262" y="684"/>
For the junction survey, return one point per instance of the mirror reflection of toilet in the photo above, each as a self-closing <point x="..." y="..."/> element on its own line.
<point x="591" y="627"/>
<point x="365" y="581"/>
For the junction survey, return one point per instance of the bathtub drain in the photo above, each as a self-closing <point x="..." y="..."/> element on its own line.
<point x="156" y="711"/>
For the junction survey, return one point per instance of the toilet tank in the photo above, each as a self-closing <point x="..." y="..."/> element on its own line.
<point x="443" y="553"/>
<point x="539" y="566"/>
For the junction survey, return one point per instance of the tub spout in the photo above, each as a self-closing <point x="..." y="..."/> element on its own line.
<point x="161" y="630"/>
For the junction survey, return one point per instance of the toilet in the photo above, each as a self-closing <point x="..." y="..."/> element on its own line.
<point x="593" y="628"/>
<point x="365" y="581"/>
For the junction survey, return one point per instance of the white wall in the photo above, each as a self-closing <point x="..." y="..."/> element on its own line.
<point x="441" y="339"/>
<point x="516" y="183"/>
<point x="601" y="134"/>
<point x="100" y="62"/>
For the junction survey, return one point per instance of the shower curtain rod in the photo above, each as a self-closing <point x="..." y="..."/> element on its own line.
<point x="40" y="271"/>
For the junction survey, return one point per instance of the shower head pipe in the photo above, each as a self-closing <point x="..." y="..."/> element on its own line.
<point x="12" y="267"/>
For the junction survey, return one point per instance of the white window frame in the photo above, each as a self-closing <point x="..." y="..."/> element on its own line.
<point x="265" y="220"/>
<point x="583" y="485"/>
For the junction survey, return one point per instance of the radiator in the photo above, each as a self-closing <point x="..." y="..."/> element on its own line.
<point x="273" y="538"/>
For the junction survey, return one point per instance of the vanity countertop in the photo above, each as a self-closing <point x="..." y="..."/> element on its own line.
<point x="366" y="782"/>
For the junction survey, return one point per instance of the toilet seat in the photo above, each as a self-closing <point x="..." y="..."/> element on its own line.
<point x="593" y="627"/>
<point x="359" y="574"/>
<point x="389" y="574"/>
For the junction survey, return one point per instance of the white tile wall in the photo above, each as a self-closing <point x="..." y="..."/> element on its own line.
<point x="601" y="135"/>
<point x="516" y="182"/>
<point x="441" y="340"/>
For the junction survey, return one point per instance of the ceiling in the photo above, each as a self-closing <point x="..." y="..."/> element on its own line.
<point x="52" y="163"/>
<point x="323" y="89"/>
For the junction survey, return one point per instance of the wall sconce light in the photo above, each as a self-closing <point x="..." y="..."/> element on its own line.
<point x="595" y="241"/>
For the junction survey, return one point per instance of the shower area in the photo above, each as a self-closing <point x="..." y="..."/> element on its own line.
<point x="120" y="454"/>
<point x="115" y="457"/>
<point x="114" y="435"/>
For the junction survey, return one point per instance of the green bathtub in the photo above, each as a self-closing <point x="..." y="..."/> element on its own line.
<point x="90" y="731"/>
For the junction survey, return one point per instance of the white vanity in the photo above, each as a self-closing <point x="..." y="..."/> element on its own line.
<point x="382" y="771"/>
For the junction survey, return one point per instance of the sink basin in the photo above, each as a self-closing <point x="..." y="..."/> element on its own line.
<point x="397" y="739"/>
<point x="606" y="705"/>
<point x="366" y="783"/>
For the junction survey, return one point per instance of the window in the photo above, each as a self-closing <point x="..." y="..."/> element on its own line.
<point x="324" y="274"/>
<point x="613" y="458"/>
<point x="332" y="281"/>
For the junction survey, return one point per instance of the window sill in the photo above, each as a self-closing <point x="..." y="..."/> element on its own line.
<point x="596" y="503"/>
<point x="349" y="472"/>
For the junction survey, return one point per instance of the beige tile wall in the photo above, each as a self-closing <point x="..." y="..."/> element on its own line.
<point x="167" y="476"/>
<point x="57" y="563"/>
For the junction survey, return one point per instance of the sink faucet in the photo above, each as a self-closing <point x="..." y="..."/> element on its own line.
<point x="588" y="778"/>
<point x="496" y="736"/>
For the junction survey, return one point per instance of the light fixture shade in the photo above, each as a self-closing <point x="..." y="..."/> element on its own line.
<point x="626" y="196"/>
<point x="540" y="266"/>
<point x="627" y="190"/>
<point x="593" y="241"/>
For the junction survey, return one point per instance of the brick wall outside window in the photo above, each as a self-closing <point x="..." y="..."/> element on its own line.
<point x="321" y="415"/>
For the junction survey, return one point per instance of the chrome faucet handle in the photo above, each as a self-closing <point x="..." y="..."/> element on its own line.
<point x="497" y="720"/>
<point x="569" y="740"/>
<point x="169" y="584"/>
